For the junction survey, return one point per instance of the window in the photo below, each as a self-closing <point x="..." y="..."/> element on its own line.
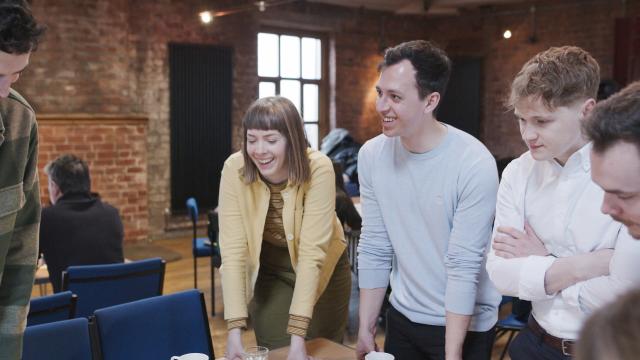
<point x="292" y="66"/>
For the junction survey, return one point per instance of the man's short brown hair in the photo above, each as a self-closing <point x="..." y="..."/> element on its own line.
<point x="615" y="119"/>
<point x="558" y="76"/>
<point x="430" y="62"/>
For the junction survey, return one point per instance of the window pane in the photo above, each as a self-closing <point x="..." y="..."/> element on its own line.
<point x="290" y="56"/>
<point x="311" y="58"/>
<point x="266" y="89"/>
<point x="312" y="134"/>
<point x="310" y="102"/>
<point x="267" y="54"/>
<point x="291" y="90"/>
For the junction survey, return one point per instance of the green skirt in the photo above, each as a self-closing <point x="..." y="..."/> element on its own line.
<point x="269" y="309"/>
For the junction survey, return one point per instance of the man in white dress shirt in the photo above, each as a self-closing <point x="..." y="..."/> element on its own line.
<point x="614" y="129"/>
<point x="551" y="244"/>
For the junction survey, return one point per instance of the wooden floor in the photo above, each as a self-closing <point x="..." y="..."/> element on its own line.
<point x="179" y="277"/>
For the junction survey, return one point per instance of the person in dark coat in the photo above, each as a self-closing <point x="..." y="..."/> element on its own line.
<point x="345" y="209"/>
<point x="78" y="228"/>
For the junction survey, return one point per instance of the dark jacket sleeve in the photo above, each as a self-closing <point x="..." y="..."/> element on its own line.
<point x="347" y="212"/>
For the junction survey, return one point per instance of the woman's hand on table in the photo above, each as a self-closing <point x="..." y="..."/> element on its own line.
<point x="234" y="345"/>
<point x="298" y="350"/>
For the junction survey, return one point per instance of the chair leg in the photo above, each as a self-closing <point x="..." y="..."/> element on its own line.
<point x="213" y="290"/>
<point x="195" y="273"/>
<point x="506" y="346"/>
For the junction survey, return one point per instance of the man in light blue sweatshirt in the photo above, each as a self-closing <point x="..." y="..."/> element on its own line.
<point x="428" y="192"/>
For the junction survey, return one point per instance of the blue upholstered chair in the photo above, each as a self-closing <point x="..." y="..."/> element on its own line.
<point x="99" y="286"/>
<point x="203" y="247"/>
<point x="50" y="308"/>
<point x="155" y="328"/>
<point x="509" y="325"/>
<point x="64" y="340"/>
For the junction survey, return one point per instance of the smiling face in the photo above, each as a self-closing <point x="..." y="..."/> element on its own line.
<point x="551" y="133"/>
<point x="617" y="171"/>
<point x="11" y="65"/>
<point x="398" y="103"/>
<point x="267" y="149"/>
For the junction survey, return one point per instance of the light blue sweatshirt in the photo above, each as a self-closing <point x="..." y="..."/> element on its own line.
<point x="427" y="222"/>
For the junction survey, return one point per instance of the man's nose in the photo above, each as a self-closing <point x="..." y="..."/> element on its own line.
<point x="382" y="105"/>
<point x="609" y="205"/>
<point x="528" y="133"/>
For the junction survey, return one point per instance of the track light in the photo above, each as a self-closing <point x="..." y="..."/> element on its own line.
<point x="206" y="17"/>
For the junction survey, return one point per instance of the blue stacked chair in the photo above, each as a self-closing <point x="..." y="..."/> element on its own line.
<point x="99" y="286"/>
<point x="64" y="340"/>
<point x="155" y="328"/>
<point x="50" y="308"/>
<point x="509" y="325"/>
<point x="203" y="247"/>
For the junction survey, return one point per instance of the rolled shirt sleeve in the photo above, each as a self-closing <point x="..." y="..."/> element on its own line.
<point x="624" y="274"/>
<point x="520" y="277"/>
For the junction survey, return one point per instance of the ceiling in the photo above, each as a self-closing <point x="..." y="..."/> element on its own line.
<point x="419" y="7"/>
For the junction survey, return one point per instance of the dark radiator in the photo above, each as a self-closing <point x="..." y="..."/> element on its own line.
<point x="200" y="82"/>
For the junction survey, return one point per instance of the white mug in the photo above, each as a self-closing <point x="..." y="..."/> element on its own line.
<point x="378" y="356"/>
<point x="191" y="356"/>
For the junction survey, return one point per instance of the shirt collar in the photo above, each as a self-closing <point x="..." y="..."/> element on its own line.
<point x="580" y="159"/>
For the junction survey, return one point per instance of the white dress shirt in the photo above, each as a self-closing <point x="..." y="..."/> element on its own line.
<point x="562" y="205"/>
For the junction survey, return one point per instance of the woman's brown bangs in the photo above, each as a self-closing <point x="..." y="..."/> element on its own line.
<point x="265" y="118"/>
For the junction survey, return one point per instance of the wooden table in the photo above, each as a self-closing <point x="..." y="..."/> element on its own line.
<point x="320" y="349"/>
<point x="42" y="279"/>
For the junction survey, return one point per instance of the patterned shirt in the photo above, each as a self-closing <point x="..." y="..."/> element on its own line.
<point x="19" y="219"/>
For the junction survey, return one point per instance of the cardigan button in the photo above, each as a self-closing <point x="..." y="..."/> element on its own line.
<point x="289" y="237"/>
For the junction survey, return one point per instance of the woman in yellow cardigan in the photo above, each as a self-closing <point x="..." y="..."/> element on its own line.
<point x="282" y="245"/>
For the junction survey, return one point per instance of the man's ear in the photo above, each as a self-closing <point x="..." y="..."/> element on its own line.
<point x="55" y="192"/>
<point x="587" y="106"/>
<point x="432" y="102"/>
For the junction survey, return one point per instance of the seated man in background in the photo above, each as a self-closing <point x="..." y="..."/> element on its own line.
<point x="551" y="244"/>
<point x="78" y="229"/>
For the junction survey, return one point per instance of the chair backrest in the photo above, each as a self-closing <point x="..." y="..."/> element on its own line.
<point x="50" y="308"/>
<point x="99" y="286"/>
<point x="66" y="339"/>
<point x="192" y="207"/>
<point x="505" y="300"/>
<point x="155" y="328"/>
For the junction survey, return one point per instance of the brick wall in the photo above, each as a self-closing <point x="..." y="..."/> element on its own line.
<point x="116" y="153"/>
<point x="110" y="57"/>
